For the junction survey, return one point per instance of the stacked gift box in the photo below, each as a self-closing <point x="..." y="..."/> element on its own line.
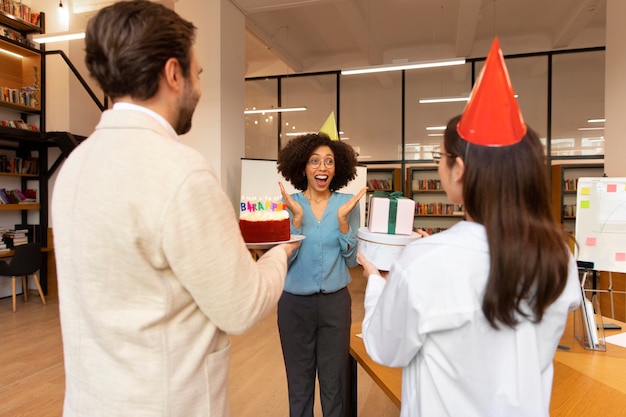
<point x="391" y="213"/>
<point x="389" y="228"/>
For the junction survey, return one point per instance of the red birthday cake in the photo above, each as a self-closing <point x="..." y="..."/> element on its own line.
<point x="264" y="223"/>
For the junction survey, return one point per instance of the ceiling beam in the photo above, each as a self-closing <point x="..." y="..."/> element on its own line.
<point x="268" y="40"/>
<point x="358" y="25"/>
<point x="467" y="23"/>
<point x="575" y="22"/>
<point x="257" y="6"/>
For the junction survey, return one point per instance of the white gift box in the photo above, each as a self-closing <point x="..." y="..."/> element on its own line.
<point x="382" y="249"/>
<point x="379" y="215"/>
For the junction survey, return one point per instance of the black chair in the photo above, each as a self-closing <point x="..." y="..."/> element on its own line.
<point x="25" y="261"/>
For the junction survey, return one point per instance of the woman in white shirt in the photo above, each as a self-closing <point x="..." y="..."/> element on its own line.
<point x="474" y="314"/>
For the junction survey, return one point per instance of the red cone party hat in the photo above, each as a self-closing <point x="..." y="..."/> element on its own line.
<point x="492" y="116"/>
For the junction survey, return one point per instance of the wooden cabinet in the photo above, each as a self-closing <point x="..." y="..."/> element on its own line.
<point x="564" y="188"/>
<point x="22" y="129"/>
<point x="433" y="211"/>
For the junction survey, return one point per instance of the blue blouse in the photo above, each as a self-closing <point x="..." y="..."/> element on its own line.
<point x="321" y="262"/>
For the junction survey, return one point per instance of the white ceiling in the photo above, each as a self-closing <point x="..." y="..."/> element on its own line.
<point x="304" y="36"/>
<point x="286" y="36"/>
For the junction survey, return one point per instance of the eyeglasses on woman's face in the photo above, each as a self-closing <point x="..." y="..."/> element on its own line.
<point x="437" y="154"/>
<point x="316" y="162"/>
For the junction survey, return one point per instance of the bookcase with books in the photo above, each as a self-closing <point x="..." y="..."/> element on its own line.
<point x="386" y="179"/>
<point x="23" y="142"/>
<point x="433" y="211"/>
<point x="564" y="189"/>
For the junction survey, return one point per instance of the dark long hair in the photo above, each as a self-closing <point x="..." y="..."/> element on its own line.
<point x="292" y="160"/>
<point x="506" y="189"/>
<point x="128" y="43"/>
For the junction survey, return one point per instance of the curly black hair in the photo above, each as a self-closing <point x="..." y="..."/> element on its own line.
<point x="292" y="160"/>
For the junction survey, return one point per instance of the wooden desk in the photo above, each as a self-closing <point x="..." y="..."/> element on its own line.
<point x="586" y="383"/>
<point x="388" y="379"/>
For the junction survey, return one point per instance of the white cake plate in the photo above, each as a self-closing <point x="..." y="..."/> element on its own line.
<point x="269" y="245"/>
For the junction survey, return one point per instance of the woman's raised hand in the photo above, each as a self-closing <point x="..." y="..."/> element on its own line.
<point x="345" y="210"/>
<point x="292" y="205"/>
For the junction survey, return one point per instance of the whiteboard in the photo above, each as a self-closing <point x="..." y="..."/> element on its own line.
<point x="259" y="178"/>
<point x="601" y="222"/>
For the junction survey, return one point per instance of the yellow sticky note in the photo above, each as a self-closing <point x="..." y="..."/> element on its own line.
<point x="585" y="191"/>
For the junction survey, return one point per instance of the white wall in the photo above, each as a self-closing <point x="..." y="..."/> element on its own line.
<point x="218" y="129"/>
<point x="615" y="90"/>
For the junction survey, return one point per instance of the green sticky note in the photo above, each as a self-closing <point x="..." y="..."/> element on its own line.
<point x="584" y="204"/>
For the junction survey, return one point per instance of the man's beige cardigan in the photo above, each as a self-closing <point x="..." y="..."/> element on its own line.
<point x="153" y="274"/>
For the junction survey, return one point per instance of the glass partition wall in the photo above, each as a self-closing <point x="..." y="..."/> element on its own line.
<point x="261" y="128"/>
<point x="433" y="96"/>
<point x="390" y="121"/>
<point x="314" y="95"/>
<point x="578" y="105"/>
<point x="371" y="115"/>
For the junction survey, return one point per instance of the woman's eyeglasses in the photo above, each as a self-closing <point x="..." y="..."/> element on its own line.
<point x="438" y="154"/>
<point x="316" y="162"/>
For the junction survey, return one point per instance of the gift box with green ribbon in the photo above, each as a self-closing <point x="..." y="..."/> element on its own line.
<point x="391" y="213"/>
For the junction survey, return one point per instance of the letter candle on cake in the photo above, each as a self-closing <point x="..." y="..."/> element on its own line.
<point x="263" y="220"/>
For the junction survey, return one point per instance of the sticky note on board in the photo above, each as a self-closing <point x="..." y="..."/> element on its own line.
<point x="585" y="191"/>
<point x="590" y="241"/>
<point x="620" y="257"/>
<point x="611" y="188"/>
<point x="584" y="204"/>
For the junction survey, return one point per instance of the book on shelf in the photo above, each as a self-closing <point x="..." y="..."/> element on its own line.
<point x="15" y="237"/>
<point x="33" y="232"/>
<point x="11" y="243"/>
<point x="4" y="198"/>
<point x="17" y="241"/>
<point x="14" y="165"/>
<point x="14" y="197"/>
<point x="379" y="184"/>
<point x="21" y="11"/>
<point x="21" y="234"/>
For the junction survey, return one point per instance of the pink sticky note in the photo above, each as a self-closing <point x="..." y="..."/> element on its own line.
<point x="611" y="188"/>
<point x="590" y="241"/>
<point x="620" y="256"/>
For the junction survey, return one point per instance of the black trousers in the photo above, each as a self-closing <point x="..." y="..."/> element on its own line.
<point x="315" y="337"/>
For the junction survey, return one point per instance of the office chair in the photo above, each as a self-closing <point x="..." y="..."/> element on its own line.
<point x="25" y="261"/>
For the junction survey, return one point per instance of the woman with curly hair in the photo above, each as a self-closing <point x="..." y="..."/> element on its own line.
<point x="314" y="311"/>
